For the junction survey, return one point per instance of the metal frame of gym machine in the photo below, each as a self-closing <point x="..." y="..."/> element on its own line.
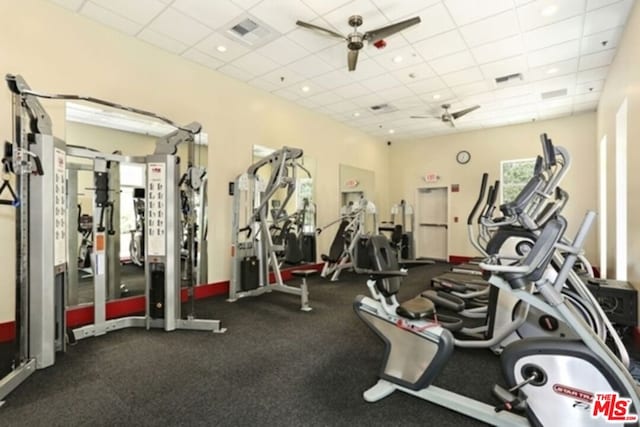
<point x="38" y="161"/>
<point x="41" y="235"/>
<point x="251" y="197"/>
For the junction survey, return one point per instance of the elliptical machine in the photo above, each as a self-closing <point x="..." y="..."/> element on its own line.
<point x="547" y="379"/>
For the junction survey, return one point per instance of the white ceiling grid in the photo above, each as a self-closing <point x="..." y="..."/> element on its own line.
<point x="453" y="56"/>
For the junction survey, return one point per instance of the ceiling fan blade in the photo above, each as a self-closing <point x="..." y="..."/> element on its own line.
<point x="352" y="58"/>
<point x="381" y="33"/>
<point x="424" y="117"/>
<point x="461" y="113"/>
<point x="325" y="31"/>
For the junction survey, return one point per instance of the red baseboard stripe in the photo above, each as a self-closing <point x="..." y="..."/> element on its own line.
<point x="458" y="259"/>
<point x="83" y="315"/>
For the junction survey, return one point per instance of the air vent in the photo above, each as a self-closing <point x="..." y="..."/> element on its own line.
<point x="509" y="78"/>
<point x="553" y="94"/>
<point x="382" y="108"/>
<point x="250" y="31"/>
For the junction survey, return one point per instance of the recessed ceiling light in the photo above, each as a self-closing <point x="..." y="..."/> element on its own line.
<point x="437" y="96"/>
<point x="549" y="10"/>
<point x="552" y="70"/>
<point x="306" y="88"/>
<point x="392" y="131"/>
<point x="356" y="114"/>
<point x="397" y="59"/>
<point x="221" y="48"/>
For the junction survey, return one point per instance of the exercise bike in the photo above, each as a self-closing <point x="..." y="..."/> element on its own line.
<point x="548" y="380"/>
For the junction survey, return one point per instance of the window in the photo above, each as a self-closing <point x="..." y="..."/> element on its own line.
<point x="514" y="175"/>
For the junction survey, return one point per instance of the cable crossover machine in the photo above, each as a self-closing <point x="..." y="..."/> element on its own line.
<point x="40" y="164"/>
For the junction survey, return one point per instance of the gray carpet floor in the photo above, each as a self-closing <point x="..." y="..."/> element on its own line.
<point x="275" y="366"/>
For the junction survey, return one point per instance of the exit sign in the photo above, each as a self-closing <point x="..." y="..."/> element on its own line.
<point x="431" y="177"/>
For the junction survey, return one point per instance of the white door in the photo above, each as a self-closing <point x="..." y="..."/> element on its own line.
<point x="432" y="223"/>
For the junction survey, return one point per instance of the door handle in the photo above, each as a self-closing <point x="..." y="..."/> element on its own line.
<point x="428" y="224"/>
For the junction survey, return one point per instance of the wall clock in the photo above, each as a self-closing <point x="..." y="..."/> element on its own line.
<point x="463" y="157"/>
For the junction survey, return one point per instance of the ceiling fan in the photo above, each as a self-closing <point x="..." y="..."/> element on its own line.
<point x="448" y="117"/>
<point x="355" y="40"/>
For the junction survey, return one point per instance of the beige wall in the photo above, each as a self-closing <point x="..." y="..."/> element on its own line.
<point x="58" y="51"/>
<point x="623" y="82"/>
<point x="412" y="160"/>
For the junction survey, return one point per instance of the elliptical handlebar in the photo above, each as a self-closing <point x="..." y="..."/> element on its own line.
<point x="548" y="151"/>
<point x="483" y="189"/>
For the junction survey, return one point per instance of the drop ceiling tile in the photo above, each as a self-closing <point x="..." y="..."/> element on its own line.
<point x="480" y="98"/>
<point x="588" y="87"/>
<point x="69" y="4"/>
<point x="466" y="90"/>
<point x="283" y="15"/>
<point x="555" y="53"/>
<point x="501" y="49"/>
<point x="490" y="29"/>
<point x="140" y="11"/>
<point x="309" y="66"/>
<point x="552" y="70"/>
<point x="564" y="101"/>
<point x="526" y="102"/>
<point x="513" y="91"/>
<point x="326" y="98"/>
<point x="325" y="6"/>
<point x="337" y="78"/>
<point x="608" y="17"/>
<point x="440" y="45"/>
<point x="469" y="75"/>
<point x="435" y="20"/>
<point x="597" y="4"/>
<point x="558" y="83"/>
<point x="310" y="87"/>
<point x="397" y="59"/>
<point x="381" y="82"/>
<point x="368" y="68"/>
<point x="210" y="46"/>
<point x="291" y="95"/>
<point x="397" y="10"/>
<point x="534" y="14"/>
<point x="464" y="11"/>
<point x="368" y="100"/>
<point x="235" y="72"/>
<point x="585" y="106"/>
<point x="179" y="26"/>
<point x="353" y="90"/>
<point x="414" y="73"/>
<point x="409" y="102"/>
<point x="371" y="17"/>
<point x="601" y="41"/>
<point x="550" y="35"/>
<point x="598" y="59"/>
<point x="162" y="41"/>
<point x="255" y="64"/>
<point x="395" y="93"/>
<point x="263" y="84"/>
<point x="202" y="58"/>
<point x="504" y="67"/>
<point x="245" y="4"/>
<point x="427" y="85"/>
<point x="592" y="75"/>
<point x="586" y="97"/>
<point x="554" y="113"/>
<point x="110" y="19"/>
<point x="342" y="107"/>
<point x="283" y="51"/>
<point x="434" y="100"/>
<point x="282" y="77"/>
<point x="457" y="61"/>
<point x="214" y="14"/>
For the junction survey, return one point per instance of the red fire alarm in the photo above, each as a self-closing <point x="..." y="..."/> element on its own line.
<point x="380" y="44"/>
